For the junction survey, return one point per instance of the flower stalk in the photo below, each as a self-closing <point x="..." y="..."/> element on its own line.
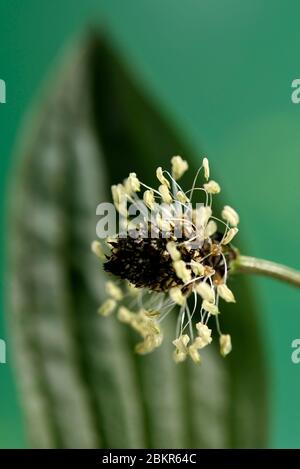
<point x="252" y="265"/>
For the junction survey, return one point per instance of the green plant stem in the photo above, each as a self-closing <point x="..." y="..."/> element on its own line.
<point x="252" y="265"/>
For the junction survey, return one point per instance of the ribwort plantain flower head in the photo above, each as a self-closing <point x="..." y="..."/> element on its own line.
<point x="170" y="255"/>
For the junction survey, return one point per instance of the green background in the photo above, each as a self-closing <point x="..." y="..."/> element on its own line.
<point x="222" y="70"/>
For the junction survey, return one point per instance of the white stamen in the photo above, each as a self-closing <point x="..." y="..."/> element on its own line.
<point x="230" y="215"/>
<point x="173" y="251"/>
<point x="212" y="187"/>
<point x="204" y="333"/>
<point x="225" y="344"/>
<point x="161" y="177"/>
<point x="210" y="307"/>
<point x="210" y="229"/>
<point x="181" y="271"/>
<point x="182" y="197"/>
<point x="107" y="307"/>
<point x="197" y="268"/>
<point x="149" y="344"/>
<point x="225" y="293"/>
<point x="179" y="167"/>
<point x="201" y="216"/>
<point x="205" y="165"/>
<point x="97" y="249"/>
<point x="177" y="296"/>
<point x="124" y="315"/>
<point x="133" y="182"/>
<point x="205" y="291"/>
<point x="230" y="235"/>
<point x="181" y="348"/>
<point x="118" y="193"/>
<point x="194" y="354"/>
<point x="149" y="200"/>
<point x="165" y="194"/>
<point x="114" y="291"/>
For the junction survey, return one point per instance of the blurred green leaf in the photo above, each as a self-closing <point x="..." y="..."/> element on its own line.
<point x="80" y="381"/>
